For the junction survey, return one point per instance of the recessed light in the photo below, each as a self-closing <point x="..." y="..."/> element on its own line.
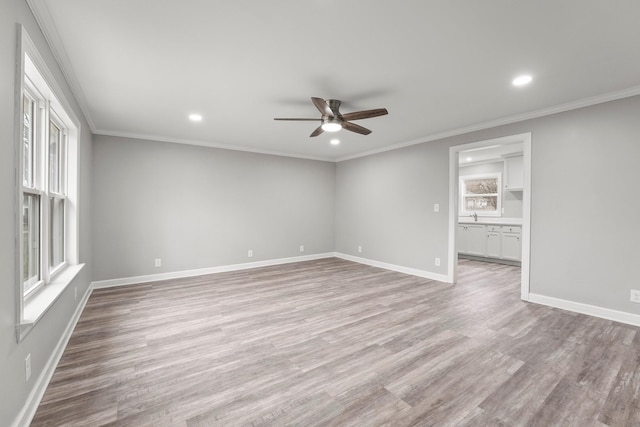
<point x="335" y="141"/>
<point x="195" y="117"/>
<point x="468" y="159"/>
<point x="522" y="80"/>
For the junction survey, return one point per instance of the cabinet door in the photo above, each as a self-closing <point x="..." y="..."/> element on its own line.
<point x="462" y="239"/>
<point x="511" y="248"/>
<point x="514" y="173"/>
<point x="493" y="244"/>
<point x="476" y="240"/>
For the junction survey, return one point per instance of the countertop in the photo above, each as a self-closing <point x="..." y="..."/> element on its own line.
<point x="490" y="220"/>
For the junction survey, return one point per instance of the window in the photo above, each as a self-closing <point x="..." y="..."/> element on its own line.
<point x="481" y="194"/>
<point x="47" y="190"/>
<point x="44" y="140"/>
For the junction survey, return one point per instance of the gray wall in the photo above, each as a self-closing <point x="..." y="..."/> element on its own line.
<point x="42" y="340"/>
<point x="196" y="207"/>
<point x="511" y="200"/>
<point x="583" y="213"/>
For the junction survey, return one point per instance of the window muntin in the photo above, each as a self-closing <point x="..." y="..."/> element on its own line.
<point x="31" y="273"/>
<point x="481" y="194"/>
<point x="56" y="232"/>
<point x="44" y="189"/>
<point x="28" y="140"/>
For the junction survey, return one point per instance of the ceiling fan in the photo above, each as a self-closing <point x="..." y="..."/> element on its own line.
<point x="332" y="120"/>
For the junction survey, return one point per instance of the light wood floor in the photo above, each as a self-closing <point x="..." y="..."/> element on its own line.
<point x="331" y="342"/>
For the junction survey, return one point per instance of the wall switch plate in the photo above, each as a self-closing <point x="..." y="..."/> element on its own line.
<point x="437" y="262"/>
<point x="635" y="296"/>
<point x="158" y="262"/>
<point x="301" y="248"/>
<point x="436" y="207"/>
<point x="250" y="253"/>
<point x="27" y="367"/>
<point x="359" y="249"/>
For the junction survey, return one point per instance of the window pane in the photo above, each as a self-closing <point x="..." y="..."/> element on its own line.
<point x="28" y="126"/>
<point x="484" y="204"/>
<point x="54" y="157"/>
<point x="482" y="186"/>
<point x="31" y="241"/>
<point x="56" y="229"/>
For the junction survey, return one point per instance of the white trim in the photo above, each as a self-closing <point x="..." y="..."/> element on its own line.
<point x="573" y="105"/>
<point x="590" y="310"/>
<point x="406" y="270"/>
<point x="32" y="402"/>
<point x="43" y="17"/>
<point x="208" y="144"/>
<point x="525" y="139"/>
<point x="101" y="284"/>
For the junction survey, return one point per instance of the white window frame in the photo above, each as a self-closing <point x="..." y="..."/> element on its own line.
<point x="34" y="80"/>
<point x="463" y="193"/>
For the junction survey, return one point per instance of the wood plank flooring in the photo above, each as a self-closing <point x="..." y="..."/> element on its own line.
<point x="331" y="342"/>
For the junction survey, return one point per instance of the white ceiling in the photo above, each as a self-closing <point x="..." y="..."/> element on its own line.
<point x="139" y="67"/>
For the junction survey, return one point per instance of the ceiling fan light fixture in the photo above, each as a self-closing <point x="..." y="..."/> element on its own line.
<point x="331" y="127"/>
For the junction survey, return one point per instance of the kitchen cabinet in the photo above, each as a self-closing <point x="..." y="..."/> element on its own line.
<point x="514" y="173"/>
<point x="494" y="241"/>
<point x="471" y="239"/>
<point x="490" y="241"/>
<point x="511" y="243"/>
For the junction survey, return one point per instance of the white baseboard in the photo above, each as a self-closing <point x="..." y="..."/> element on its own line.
<point x="37" y="392"/>
<point x="100" y="284"/>
<point x="591" y="310"/>
<point x="393" y="267"/>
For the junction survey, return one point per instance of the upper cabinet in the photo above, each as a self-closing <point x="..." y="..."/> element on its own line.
<point x="514" y="173"/>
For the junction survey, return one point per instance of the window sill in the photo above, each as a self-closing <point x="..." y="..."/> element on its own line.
<point x="37" y="305"/>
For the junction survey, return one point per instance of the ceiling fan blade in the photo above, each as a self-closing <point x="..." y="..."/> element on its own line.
<point x="359" y="115"/>
<point x="298" y="119"/>
<point x="355" y="128"/>
<point x="317" y="132"/>
<point x="322" y="106"/>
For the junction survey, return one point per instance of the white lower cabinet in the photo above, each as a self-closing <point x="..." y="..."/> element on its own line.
<point x="490" y="241"/>
<point x="511" y="246"/>
<point x="494" y="242"/>
<point x="471" y="239"/>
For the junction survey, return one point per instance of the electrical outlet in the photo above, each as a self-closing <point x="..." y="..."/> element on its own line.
<point x="75" y="293"/>
<point x="359" y="249"/>
<point x="437" y="262"/>
<point x="436" y="207"/>
<point x="158" y="262"/>
<point x="635" y="296"/>
<point x="250" y="253"/>
<point x="301" y="248"/>
<point x="27" y="367"/>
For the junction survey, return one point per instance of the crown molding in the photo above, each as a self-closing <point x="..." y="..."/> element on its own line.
<point x="574" y="105"/>
<point x="159" y="138"/>
<point x="43" y="17"/>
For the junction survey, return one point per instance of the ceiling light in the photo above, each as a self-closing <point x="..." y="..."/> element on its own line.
<point x="468" y="159"/>
<point x="522" y="80"/>
<point x="195" y="117"/>
<point x="331" y="126"/>
<point x="335" y="141"/>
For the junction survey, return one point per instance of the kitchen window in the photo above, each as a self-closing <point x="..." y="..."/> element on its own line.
<point x="481" y="194"/>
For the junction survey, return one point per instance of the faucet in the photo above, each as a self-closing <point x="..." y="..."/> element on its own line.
<point x="475" y="216"/>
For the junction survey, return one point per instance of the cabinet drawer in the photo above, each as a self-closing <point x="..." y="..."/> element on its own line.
<point x="511" y="229"/>
<point x="493" y="228"/>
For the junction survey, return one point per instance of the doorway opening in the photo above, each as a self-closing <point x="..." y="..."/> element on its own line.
<point x="487" y="208"/>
